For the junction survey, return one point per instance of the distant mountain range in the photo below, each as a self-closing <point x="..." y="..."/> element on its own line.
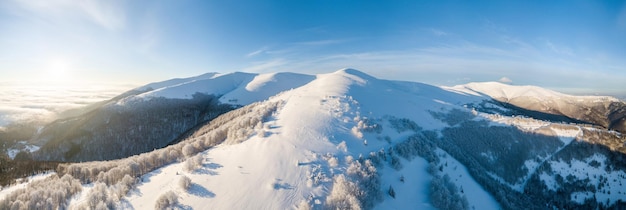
<point x="342" y="140"/>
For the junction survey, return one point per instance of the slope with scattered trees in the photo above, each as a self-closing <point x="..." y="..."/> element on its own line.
<point x="117" y="131"/>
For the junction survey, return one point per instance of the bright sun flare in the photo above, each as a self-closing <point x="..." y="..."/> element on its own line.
<point x="57" y="70"/>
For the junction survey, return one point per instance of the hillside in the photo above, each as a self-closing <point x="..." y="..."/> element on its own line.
<point x="154" y="115"/>
<point x="607" y="112"/>
<point x="347" y="140"/>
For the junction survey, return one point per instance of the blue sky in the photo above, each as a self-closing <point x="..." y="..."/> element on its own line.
<point x="572" y="46"/>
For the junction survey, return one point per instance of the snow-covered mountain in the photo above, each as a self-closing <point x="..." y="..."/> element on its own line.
<point x="155" y="115"/>
<point x="608" y="112"/>
<point x="347" y="140"/>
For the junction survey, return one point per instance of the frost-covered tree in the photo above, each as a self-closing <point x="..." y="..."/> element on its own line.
<point x="50" y="193"/>
<point x="184" y="183"/>
<point x="113" y="179"/>
<point x="98" y="194"/>
<point x="444" y="194"/>
<point x="193" y="163"/>
<point x="343" y="195"/>
<point x="166" y="201"/>
<point x="188" y="150"/>
<point x="304" y="205"/>
<point x="18" y="205"/>
<point x="333" y="161"/>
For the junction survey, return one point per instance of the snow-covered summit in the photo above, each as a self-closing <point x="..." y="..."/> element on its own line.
<point x="233" y="88"/>
<point x="347" y="140"/>
<point x="507" y="92"/>
<point x="170" y="82"/>
<point x="315" y="136"/>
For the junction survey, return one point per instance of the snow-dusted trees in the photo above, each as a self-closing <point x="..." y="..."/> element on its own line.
<point x="333" y="161"/>
<point x="99" y="196"/>
<point x="126" y="185"/>
<point x="18" y="205"/>
<point x="184" y="183"/>
<point x="107" y="196"/>
<point x="193" y="163"/>
<point x="113" y="179"/>
<point x="304" y="205"/>
<point x="403" y="124"/>
<point x="359" y="188"/>
<point x="166" y="201"/>
<point x="119" y="131"/>
<point x="445" y="195"/>
<point x="365" y="125"/>
<point x="343" y="195"/>
<point x="50" y="193"/>
<point x="364" y="174"/>
<point x="188" y="150"/>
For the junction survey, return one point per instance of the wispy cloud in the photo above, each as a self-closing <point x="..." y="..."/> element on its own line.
<point x="558" y="49"/>
<point x="497" y="52"/>
<point x="621" y="18"/>
<point x="492" y="27"/>
<point x="107" y="14"/>
<point x="257" y="52"/>
<point x="441" y="64"/>
<point x="266" y="66"/>
<point x="321" y="42"/>
<point x="149" y="32"/>
<point x="437" y="32"/>
<point x="516" y="42"/>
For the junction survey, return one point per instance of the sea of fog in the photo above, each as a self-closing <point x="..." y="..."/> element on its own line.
<point x="41" y="102"/>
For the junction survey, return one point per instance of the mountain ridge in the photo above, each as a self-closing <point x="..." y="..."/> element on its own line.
<point x="608" y="112"/>
<point x="348" y="140"/>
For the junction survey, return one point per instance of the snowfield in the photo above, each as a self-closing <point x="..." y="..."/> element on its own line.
<point x="508" y="92"/>
<point x="276" y="171"/>
<point x="342" y="140"/>
<point x="234" y="88"/>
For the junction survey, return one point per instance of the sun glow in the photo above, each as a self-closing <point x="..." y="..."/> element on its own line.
<point x="57" y="70"/>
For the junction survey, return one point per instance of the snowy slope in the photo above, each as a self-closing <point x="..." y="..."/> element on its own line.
<point x="171" y="82"/>
<point x="605" y="111"/>
<point x="218" y="84"/>
<point x="507" y="92"/>
<point x="234" y="88"/>
<point x="265" y="85"/>
<point x="333" y="136"/>
<point x="315" y="122"/>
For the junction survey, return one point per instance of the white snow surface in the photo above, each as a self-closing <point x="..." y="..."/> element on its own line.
<point x="413" y="192"/>
<point x="218" y="84"/>
<point x="315" y="121"/>
<point x="610" y="190"/>
<point x="503" y="91"/>
<point x="172" y="82"/>
<point x="233" y="88"/>
<point x="477" y="197"/>
<point x="315" y="133"/>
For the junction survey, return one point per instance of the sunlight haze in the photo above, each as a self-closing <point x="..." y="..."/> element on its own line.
<point x="564" y="45"/>
<point x="312" y="104"/>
